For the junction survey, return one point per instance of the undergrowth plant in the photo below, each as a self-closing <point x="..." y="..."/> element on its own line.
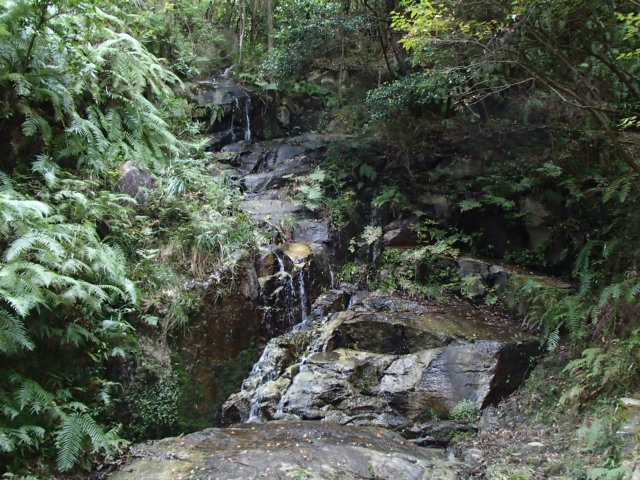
<point x="82" y="267"/>
<point x="60" y="288"/>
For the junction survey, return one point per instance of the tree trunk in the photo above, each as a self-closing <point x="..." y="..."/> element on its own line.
<point x="243" y="27"/>
<point x="269" y="24"/>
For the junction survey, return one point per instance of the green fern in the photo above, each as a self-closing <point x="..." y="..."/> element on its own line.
<point x="75" y="430"/>
<point x="620" y="188"/>
<point x="13" y="334"/>
<point x="31" y="396"/>
<point x="24" y="436"/>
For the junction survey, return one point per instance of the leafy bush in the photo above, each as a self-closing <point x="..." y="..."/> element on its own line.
<point x="412" y="93"/>
<point x="465" y="411"/>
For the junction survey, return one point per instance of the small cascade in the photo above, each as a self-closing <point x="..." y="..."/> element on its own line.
<point x="240" y="127"/>
<point x="286" y="306"/>
<point x="259" y="374"/>
<point x="280" y="409"/>
<point x="233" y="115"/>
<point x="304" y="303"/>
<point x="247" y="119"/>
<point x="279" y="298"/>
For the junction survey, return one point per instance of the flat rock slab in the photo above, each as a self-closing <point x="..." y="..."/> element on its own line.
<point x="274" y="211"/>
<point x="298" y="450"/>
<point x="383" y="324"/>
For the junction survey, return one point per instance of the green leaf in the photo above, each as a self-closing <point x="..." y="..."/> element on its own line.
<point x="466" y="205"/>
<point x="368" y="172"/>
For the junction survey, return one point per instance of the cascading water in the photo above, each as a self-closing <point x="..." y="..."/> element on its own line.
<point x="247" y="119"/>
<point x="262" y="376"/>
<point x="304" y="301"/>
<point x="279" y="300"/>
<point x="241" y="118"/>
<point x="234" y="125"/>
<point x="285" y="308"/>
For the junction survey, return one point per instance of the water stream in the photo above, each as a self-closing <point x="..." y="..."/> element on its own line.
<point x="279" y="311"/>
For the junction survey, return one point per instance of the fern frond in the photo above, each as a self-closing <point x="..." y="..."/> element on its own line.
<point x="611" y="293"/>
<point x="20" y="302"/>
<point x="13" y="334"/>
<point x="30" y="241"/>
<point x="553" y="339"/>
<point x="30" y="395"/>
<point x="29" y="434"/>
<point x="77" y="334"/>
<point x="70" y="436"/>
<point x="620" y="188"/>
<point x="34" y="123"/>
<point x="7" y="445"/>
<point x="583" y="258"/>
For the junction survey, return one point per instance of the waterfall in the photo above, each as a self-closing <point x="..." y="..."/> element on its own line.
<point x="286" y="307"/>
<point x="304" y="300"/>
<point x="264" y="377"/>
<point x="241" y="117"/>
<point x="247" y="118"/>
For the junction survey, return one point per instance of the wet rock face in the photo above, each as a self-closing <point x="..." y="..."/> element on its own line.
<point x="291" y="277"/>
<point x="224" y="330"/>
<point x="229" y="111"/>
<point x="308" y="450"/>
<point x="388" y="362"/>
<point x="268" y="170"/>
<point x="269" y="295"/>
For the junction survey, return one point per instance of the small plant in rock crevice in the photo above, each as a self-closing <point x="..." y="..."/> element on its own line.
<point x="465" y="411"/>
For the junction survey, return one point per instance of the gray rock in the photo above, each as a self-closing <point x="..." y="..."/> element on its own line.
<point x="275" y="211"/>
<point x="534" y="446"/>
<point x="437" y="206"/>
<point x="404" y="236"/>
<point x="396" y="326"/>
<point x="340" y="381"/>
<point x="284" y="116"/>
<point x="472" y="266"/>
<point x="310" y="231"/>
<point x="289" y="151"/>
<point x="536" y="222"/>
<point x="464" y="167"/>
<point x="283" y="173"/>
<point x="473" y="455"/>
<point x="270" y="260"/>
<point x="134" y="181"/>
<point x="282" y="451"/>
<point x="436" y="433"/>
<point x="213" y="93"/>
<point x="391" y="362"/>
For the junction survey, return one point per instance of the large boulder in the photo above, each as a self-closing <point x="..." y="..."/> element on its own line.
<point x="273" y="208"/>
<point x="262" y="389"/>
<point x="311" y="231"/>
<point x="355" y="387"/>
<point x="391" y="362"/>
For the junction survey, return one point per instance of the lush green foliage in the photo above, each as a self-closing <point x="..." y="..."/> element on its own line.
<point x="184" y="32"/>
<point x="79" y="97"/>
<point x="303" y="43"/>
<point x="78" y="86"/>
<point x="516" y="60"/>
<point x="60" y="287"/>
